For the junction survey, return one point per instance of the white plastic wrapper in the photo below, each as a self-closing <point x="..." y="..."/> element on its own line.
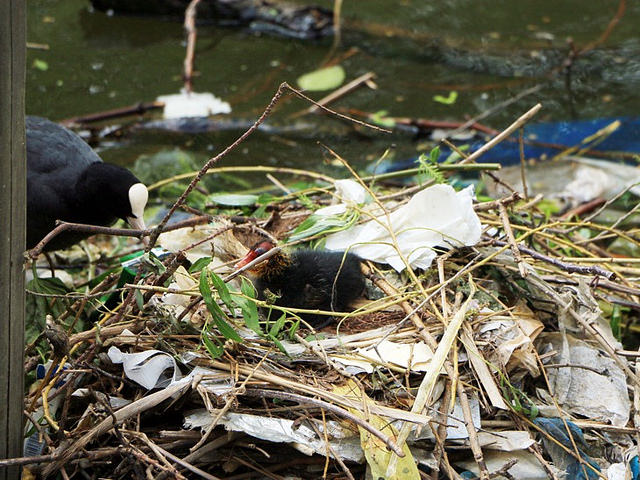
<point x="147" y="368"/>
<point x="436" y="216"/>
<point x="183" y="105"/>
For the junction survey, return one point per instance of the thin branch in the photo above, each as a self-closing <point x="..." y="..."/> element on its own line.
<point x="116" y="232"/>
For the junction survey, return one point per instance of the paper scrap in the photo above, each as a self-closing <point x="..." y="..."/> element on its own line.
<point x="344" y="443"/>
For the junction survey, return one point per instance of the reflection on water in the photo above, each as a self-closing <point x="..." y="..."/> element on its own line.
<point x="417" y="50"/>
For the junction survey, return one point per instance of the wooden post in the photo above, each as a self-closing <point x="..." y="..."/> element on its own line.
<point x="13" y="195"/>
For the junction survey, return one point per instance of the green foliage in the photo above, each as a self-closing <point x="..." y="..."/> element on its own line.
<point x="429" y="167"/>
<point x="219" y="317"/>
<point x="199" y="264"/>
<point x="548" y="207"/>
<point x="164" y="164"/>
<point x="316" y="224"/>
<point x="517" y="399"/>
<point x="306" y="201"/>
<point x="38" y="306"/>
<point x="616" y="321"/>
<point x="248" y="306"/>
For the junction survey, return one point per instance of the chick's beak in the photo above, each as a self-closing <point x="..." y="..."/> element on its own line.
<point x="138" y="224"/>
<point x="247" y="258"/>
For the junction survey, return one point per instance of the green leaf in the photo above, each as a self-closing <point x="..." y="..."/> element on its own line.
<point x="214" y="350"/>
<point x="323" y="79"/>
<point x="293" y="329"/>
<point x="139" y="299"/>
<point x="278" y="344"/>
<point x="449" y="100"/>
<point x="429" y="166"/>
<point x="40" y="65"/>
<point x="234" y="199"/>
<point x="434" y="154"/>
<point x="49" y="285"/>
<point x="200" y="264"/>
<point x="277" y="326"/>
<point x="222" y="289"/>
<point x="249" y="307"/>
<point x="216" y="312"/>
<point x="315" y="224"/>
<point x="380" y="118"/>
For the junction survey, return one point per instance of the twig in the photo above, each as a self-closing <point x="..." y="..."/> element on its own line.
<point x="190" y="27"/>
<point x="622" y="6"/>
<point x="65" y="452"/>
<point x="484" y="206"/>
<point x="439" y="360"/>
<point x="506" y="225"/>
<point x="161" y="452"/>
<point x="118" y="232"/>
<point x="471" y="430"/>
<point x="504" y="134"/>
<point x="137" y="109"/>
<point x="569" y="267"/>
<point x="523" y="175"/>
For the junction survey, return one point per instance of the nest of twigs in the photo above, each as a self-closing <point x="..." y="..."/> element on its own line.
<point x="437" y="372"/>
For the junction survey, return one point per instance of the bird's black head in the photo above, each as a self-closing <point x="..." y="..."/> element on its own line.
<point x="110" y="191"/>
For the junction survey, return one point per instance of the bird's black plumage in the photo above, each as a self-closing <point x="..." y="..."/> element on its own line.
<point x="67" y="180"/>
<point x="312" y="280"/>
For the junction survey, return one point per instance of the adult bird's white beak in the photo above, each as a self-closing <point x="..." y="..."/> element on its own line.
<point x="138" y="196"/>
<point x="138" y="224"/>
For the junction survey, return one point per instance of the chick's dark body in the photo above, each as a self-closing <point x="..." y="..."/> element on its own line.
<point x="313" y="280"/>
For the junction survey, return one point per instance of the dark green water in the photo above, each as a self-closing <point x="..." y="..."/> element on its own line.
<point x="486" y="51"/>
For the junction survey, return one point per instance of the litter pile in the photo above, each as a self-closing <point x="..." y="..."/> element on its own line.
<point x="487" y="343"/>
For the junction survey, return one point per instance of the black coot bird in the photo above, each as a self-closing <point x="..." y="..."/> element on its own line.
<point x="67" y="180"/>
<point x="308" y="279"/>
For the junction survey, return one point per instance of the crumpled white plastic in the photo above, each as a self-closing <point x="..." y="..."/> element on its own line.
<point x="183" y="104"/>
<point x="435" y="216"/>
<point x="147" y="368"/>
<point x="351" y="193"/>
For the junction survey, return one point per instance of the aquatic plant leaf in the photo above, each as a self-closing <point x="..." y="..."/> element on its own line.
<point x="40" y="65"/>
<point x="323" y="79"/>
<point x="380" y="118"/>
<point x="234" y="199"/>
<point x="315" y="224"/>
<point x="448" y="100"/>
